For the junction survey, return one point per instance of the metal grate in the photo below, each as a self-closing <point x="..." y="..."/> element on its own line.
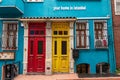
<point x="9" y="37"/>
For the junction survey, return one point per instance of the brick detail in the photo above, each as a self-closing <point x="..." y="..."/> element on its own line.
<point x="116" y="28"/>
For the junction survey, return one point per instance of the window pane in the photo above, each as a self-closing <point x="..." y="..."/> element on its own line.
<point x="40" y="47"/>
<point x="42" y="32"/>
<point x="32" y="32"/>
<point x="60" y="32"/>
<point x="31" y="47"/>
<point x="55" y="51"/>
<point x="55" y="32"/>
<point x="64" y="47"/>
<point x="77" y="33"/>
<point x="15" y="27"/>
<point x="78" y="41"/>
<point x="37" y="32"/>
<point x="10" y="35"/>
<point x="118" y="6"/>
<point x="99" y="30"/>
<point x="82" y="41"/>
<point x="77" y="26"/>
<point x="65" y="32"/>
<point x="81" y="38"/>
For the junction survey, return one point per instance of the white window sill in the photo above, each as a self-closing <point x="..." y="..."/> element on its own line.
<point x="117" y="13"/>
<point x="35" y="1"/>
<point x="83" y="48"/>
<point x="101" y="47"/>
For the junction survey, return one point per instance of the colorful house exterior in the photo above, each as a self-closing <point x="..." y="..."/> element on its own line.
<point x="116" y="28"/>
<point x="57" y="36"/>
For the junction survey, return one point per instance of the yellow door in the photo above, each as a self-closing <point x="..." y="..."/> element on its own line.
<point x="60" y="49"/>
<point x="61" y="55"/>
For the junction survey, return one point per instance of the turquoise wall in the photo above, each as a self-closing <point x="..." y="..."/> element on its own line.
<point x="18" y="52"/>
<point x="13" y="3"/>
<point x="11" y="8"/>
<point x="97" y="8"/>
<point x="94" y="8"/>
<point x="93" y="56"/>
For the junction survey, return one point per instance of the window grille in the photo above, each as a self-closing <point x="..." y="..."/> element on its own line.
<point x="82" y="35"/>
<point x="101" y="40"/>
<point x="9" y="36"/>
<point x="117" y="7"/>
<point x="35" y="0"/>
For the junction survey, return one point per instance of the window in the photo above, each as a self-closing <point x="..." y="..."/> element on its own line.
<point x="64" y="47"/>
<point x="100" y="29"/>
<point x="40" y="47"/>
<point x="35" y="0"/>
<point x="55" y="50"/>
<point x="83" y="68"/>
<point x="82" y="35"/>
<point x="102" y="68"/>
<point x="117" y="7"/>
<point x="31" y="47"/>
<point x="63" y="33"/>
<point x="9" y="36"/>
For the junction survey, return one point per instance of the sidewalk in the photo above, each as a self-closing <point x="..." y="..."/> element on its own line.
<point x="62" y="77"/>
<point x="47" y="77"/>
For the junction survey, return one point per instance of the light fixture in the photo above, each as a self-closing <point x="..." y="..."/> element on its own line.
<point x="22" y="25"/>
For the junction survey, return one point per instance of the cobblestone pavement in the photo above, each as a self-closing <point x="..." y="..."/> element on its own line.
<point x="62" y="77"/>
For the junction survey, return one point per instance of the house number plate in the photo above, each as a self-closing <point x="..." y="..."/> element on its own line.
<point x="7" y="55"/>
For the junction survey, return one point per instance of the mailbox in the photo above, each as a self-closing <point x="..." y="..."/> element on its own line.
<point x="75" y="53"/>
<point x="8" y="73"/>
<point x="11" y="70"/>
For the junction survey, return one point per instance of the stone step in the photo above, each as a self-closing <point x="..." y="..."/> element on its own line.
<point x="63" y="77"/>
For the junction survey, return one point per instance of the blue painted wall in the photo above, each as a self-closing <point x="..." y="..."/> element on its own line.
<point x="93" y="56"/>
<point x="94" y="8"/>
<point x="18" y="52"/>
<point x="13" y="3"/>
<point x="11" y="8"/>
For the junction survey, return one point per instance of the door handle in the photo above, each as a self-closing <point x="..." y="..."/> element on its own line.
<point x="39" y="57"/>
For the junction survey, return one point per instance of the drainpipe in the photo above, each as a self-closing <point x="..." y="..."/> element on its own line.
<point x="100" y="68"/>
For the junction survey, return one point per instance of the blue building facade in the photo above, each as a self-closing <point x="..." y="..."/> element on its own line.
<point x="82" y="27"/>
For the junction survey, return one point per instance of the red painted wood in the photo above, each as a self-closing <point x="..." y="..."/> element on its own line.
<point x="36" y="47"/>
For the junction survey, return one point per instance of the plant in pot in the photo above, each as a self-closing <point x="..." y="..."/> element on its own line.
<point x="118" y="71"/>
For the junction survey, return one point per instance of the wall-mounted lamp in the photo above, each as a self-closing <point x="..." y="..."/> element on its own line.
<point x="22" y="25"/>
<point x="0" y="0"/>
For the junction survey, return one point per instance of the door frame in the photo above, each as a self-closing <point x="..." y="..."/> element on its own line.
<point x="60" y="32"/>
<point x="48" y="63"/>
<point x="59" y="54"/>
<point x="37" y="27"/>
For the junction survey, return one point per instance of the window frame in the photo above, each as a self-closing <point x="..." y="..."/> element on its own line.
<point x="115" y="5"/>
<point x="104" y="34"/>
<point x="5" y="24"/>
<point x="86" y="31"/>
<point x="35" y="1"/>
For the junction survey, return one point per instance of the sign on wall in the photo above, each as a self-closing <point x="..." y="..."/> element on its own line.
<point x="7" y="55"/>
<point x="69" y="8"/>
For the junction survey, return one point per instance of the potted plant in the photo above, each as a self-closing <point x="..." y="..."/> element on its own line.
<point x="118" y="71"/>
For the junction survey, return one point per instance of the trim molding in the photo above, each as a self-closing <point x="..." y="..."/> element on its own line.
<point x="85" y="18"/>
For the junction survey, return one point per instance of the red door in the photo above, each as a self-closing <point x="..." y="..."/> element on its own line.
<point x="36" y="48"/>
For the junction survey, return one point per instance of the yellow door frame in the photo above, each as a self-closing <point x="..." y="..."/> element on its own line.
<point x="60" y="33"/>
